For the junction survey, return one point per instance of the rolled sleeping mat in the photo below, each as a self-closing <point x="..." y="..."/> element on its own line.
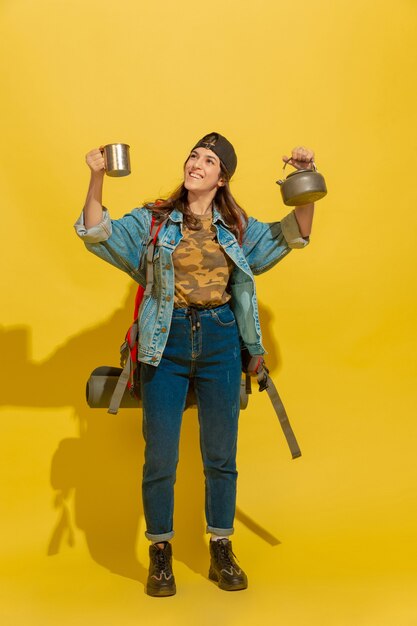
<point x="103" y="380"/>
<point x="100" y="387"/>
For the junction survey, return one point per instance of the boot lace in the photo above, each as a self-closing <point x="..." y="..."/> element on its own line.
<point x="226" y="554"/>
<point x="161" y="561"/>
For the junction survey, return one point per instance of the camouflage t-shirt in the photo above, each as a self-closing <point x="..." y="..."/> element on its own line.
<point x="202" y="268"/>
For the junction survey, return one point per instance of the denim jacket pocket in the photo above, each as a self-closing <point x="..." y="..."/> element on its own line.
<point x="148" y="314"/>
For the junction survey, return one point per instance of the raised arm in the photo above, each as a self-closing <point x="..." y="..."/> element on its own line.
<point x="93" y="209"/>
<point x="302" y="158"/>
<point x="119" y="242"/>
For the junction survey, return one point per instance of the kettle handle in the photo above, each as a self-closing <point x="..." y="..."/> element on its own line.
<point x="288" y="161"/>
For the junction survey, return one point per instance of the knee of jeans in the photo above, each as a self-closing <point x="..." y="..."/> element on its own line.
<point x="223" y="454"/>
<point x="159" y="466"/>
<point x="162" y="447"/>
<point x="220" y="470"/>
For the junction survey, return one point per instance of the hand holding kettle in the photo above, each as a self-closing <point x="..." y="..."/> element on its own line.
<point x="301" y="158"/>
<point x="305" y="185"/>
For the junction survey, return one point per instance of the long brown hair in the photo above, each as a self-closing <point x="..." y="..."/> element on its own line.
<point x="234" y="216"/>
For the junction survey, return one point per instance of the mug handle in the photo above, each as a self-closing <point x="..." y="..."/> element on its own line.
<point x="101" y="148"/>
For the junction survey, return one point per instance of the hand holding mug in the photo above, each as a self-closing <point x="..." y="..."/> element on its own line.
<point x="113" y="159"/>
<point x="95" y="161"/>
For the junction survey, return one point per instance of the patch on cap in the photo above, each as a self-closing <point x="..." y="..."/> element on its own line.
<point x="222" y="148"/>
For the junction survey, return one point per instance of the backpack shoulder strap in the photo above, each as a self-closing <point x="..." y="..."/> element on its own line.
<point x="129" y="347"/>
<point x="155" y="228"/>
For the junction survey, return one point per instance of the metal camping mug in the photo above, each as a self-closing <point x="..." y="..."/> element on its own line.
<point x="302" y="187"/>
<point x="116" y="159"/>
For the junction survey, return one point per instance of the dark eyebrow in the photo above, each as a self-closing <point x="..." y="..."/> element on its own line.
<point x="208" y="156"/>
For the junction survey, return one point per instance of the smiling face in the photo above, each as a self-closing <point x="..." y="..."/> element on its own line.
<point x="202" y="172"/>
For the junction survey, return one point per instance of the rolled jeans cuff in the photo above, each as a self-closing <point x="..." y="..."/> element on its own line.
<point x="159" y="538"/>
<point x="222" y="532"/>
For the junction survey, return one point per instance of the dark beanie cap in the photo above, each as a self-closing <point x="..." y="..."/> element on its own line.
<point x="223" y="148"/>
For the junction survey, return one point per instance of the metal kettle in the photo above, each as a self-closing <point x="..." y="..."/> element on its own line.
<point x="302" y="187"/>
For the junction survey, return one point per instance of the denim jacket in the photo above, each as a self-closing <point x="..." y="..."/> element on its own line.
<point x="123" y="242"/>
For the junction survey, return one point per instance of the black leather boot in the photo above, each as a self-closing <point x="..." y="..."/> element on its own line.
<point x="161" y="581"/>
<point x="223" y="568"/>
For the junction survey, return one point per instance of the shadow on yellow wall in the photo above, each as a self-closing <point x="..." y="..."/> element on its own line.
<point x="100" y="470"/>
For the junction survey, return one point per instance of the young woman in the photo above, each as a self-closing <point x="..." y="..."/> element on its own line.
<point x="202" y="309"/>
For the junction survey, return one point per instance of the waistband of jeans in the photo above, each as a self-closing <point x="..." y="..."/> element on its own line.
<point x="202" y="312"/>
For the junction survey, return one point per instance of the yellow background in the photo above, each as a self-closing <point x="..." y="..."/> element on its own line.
<point x="329" y="539"/>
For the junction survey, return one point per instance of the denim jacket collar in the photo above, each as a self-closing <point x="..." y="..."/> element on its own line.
<point x="177" y="216"/>
<point x="217" y="216"/>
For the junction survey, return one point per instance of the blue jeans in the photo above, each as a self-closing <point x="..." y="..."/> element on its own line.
<point x="209" y="354"/>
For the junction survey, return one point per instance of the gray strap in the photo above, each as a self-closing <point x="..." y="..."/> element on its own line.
<point x="120" y="388"/>
<point x="133" y="335"/>
<point x="126" y="363"/>
<point x="265" y="382"/>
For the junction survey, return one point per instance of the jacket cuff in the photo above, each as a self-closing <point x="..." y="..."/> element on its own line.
<point x="95" y="234"/>
<point x="291" y="232"/>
